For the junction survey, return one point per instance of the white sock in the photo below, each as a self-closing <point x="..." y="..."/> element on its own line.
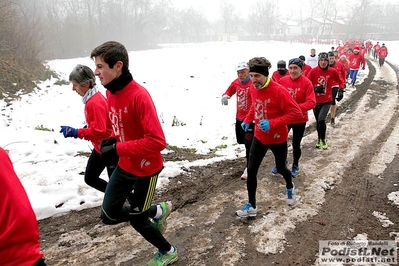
<point x="159" y="212"/>
<point x="172" y="249"/>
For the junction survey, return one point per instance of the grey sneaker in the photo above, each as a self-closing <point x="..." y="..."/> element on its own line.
<point x="161" y="221"/>
<point x="247" y="211"/>
<point x="291" y="198"/>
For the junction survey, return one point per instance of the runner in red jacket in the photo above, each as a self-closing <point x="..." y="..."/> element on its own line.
<point x="376" y="48"/>
<point x="356" y="61"/>
<point x="342" y="84"/>
<point x="241" y="87"/>
<point x="98" y="124"/>
<point x="345" y="64"/>
<point x="136" y="147"/>
<point x="306" y="68"/>
<point x="281" y="71"/>
<point x="382" y="54"/>
<point x="301" y="89"/>
<point x="273" y="109"/>
<point x="19" y="232"/>
<point x="324" y="79"/>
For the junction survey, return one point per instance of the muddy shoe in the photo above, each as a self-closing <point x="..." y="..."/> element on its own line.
<point x="246" y="211"/>
<point x="161" y="259"/>
<point x="161" y="221"/>
<point x="324" y="144"/>
<point x="291" y="198"/>
<point x="318" y="144"/>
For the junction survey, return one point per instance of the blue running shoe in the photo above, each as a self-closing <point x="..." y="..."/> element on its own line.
<point x="274" y="170"/>
<point x="247" y="211"/>
<point x="295" y="170"/>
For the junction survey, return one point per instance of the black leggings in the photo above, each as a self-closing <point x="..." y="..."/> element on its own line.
<point x="114" y="211"/>
<point x="256" y="155"/>
<point x="94" y="168"/>
<point x="320" y="113"/>
<point x="244" y="137"/>
<point x="334" y="95"/>
<point x="297" y="134"/>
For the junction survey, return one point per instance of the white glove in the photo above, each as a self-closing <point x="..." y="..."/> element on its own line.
<point x="225" y="99"/>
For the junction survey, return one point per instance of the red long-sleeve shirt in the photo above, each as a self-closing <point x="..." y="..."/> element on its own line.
<point x="274" y="103"/>
<point x="341" y="72"/>
<point x="383" y="52"/>
<point x="356" y="61"/>
<point x="19" y="232"/>
<point x="301" y="90"/>
<point x="140" y="138"/>
<point x="243" y="97"/>
<point x="277" y="76"/>
<point x="305" y="70"/>
<point x="98" y="123"/>
<point x="328" y="78"/>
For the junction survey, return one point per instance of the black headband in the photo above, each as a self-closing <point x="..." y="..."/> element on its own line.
<point x="260" y="69"/>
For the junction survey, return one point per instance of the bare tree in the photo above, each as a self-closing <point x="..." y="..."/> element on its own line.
<point x="361" y="13"/>
<point x="262" y="18"/>
<point x="227" y="12"/>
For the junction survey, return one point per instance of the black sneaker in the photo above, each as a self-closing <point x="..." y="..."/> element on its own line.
<point x="333" y="121"/>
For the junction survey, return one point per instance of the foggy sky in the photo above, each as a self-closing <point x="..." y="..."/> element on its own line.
<point x="211" y="8"/>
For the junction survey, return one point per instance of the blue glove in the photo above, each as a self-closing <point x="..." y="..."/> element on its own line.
<point x="264" y="124"/>
<point x="244" y="126"/>
<point x="69" y="132"/>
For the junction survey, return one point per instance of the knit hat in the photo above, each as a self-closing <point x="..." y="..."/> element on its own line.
<point x="302" y="57"/>
<point x="296" y="61"/>
<point x="323" y="55"/>
<point x="281" y="64"/>
<point x="241" y="66"/>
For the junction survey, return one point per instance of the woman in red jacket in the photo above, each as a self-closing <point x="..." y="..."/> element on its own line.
<point x="98" y="124"/>
<point x="19" y="233"/>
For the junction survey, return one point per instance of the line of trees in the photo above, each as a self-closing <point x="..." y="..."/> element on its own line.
<point x="71" y="28"/>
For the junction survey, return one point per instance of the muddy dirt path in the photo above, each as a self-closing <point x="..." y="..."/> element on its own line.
<point x="337" y="190"/>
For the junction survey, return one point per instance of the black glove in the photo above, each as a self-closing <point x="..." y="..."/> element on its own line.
<point x="319" y="89"/>
<point x="108" y="151"/>
<point x="340" y="95"/>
